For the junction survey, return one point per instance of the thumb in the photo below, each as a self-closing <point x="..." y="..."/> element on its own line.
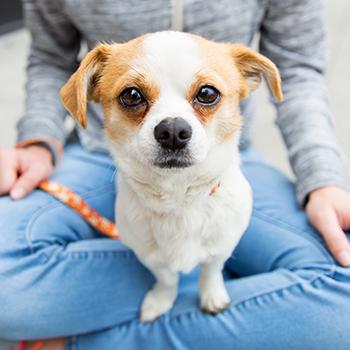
<point x="25" y="184"/>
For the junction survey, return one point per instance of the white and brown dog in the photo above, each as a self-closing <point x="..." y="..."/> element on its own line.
<point x="171" y="105"/>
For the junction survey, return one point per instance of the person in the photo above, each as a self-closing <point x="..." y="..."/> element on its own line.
<point x="61" y="278"/>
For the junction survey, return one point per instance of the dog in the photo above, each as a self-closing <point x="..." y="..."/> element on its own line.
<point x="172" y="121"/>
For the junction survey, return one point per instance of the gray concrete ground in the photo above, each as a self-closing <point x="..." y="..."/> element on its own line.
<point x="13" y="51"/>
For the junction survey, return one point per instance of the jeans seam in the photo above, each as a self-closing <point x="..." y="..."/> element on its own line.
<point x="51" y="206"/>
<point x="321" y="276"/>
<point x="294" y="229"/>
<point x="82" y="254"/>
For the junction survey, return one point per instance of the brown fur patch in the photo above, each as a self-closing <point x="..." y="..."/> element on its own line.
<point x="252" y="66"/>
<point x="241" y="69"/>
<point x="118" y="75"/>
<point x="148" y="89"/>
<point x="223" y="75"/>
<point x="206" y="77"/>
<point x="103" y="74"/>
<point x="77" y="91"/>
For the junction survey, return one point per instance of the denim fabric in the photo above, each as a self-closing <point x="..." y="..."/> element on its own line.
<point x="60" y="277"/>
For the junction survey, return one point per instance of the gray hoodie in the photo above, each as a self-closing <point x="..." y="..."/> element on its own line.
<point x="292" y="35"/>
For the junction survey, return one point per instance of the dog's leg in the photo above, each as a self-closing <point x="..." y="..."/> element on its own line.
<point x="213" y="295"/>
<point x="162" y="295"/>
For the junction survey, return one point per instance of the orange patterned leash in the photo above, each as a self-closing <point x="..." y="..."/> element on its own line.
<point x="74" y="201"/>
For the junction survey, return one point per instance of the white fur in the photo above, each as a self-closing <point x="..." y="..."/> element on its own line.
<point x="168" y="216"/>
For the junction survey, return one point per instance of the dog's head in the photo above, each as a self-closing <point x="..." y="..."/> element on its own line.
<point x="168" y="97"/>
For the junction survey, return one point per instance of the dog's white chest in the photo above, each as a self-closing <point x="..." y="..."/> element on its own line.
<point x="188" y="235"/>
<point x="183" y="239"/>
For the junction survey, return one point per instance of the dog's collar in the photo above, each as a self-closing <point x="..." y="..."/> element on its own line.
<point x="214" y="189"/>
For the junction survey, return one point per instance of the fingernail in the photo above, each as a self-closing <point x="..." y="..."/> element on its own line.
<point x="344" y="257"/>
<point x="17" y="193"/>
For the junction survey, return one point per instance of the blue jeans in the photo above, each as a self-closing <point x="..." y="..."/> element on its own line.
<point x="60" y="277"/>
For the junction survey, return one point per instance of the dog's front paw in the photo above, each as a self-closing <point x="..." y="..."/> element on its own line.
<point x="215" y="300"/>
<point x="156" y="303"/>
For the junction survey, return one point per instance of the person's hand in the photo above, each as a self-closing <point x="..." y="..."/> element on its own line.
<point x="21" y="169"/>
<point x="328" y="209"/>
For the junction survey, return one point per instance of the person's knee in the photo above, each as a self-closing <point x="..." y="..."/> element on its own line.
<point x="36" y="223"/>
<point x="270" y="244"/>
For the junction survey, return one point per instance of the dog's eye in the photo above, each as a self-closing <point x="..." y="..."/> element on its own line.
<point x="207" y="95"/>
<point x="131" y="97"/>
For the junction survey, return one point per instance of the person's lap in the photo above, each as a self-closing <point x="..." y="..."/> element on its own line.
<point x="60" y="277"/>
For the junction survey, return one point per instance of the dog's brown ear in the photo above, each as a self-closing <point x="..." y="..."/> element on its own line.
<point x="81" y="86"/>
<point x="253" y="66"/>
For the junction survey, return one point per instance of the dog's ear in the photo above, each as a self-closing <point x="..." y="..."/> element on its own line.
<point x="253" y="66"/>
<point x="82" y="85"/>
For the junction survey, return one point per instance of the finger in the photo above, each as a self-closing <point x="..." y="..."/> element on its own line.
<point x="8" y="177"/>
<point x="8" y="171"/>
<point x="25" y="184"/>
<point x="335" y="238"/>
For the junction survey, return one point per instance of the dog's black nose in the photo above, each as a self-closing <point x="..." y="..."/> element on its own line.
<point x="173" y="133"/>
